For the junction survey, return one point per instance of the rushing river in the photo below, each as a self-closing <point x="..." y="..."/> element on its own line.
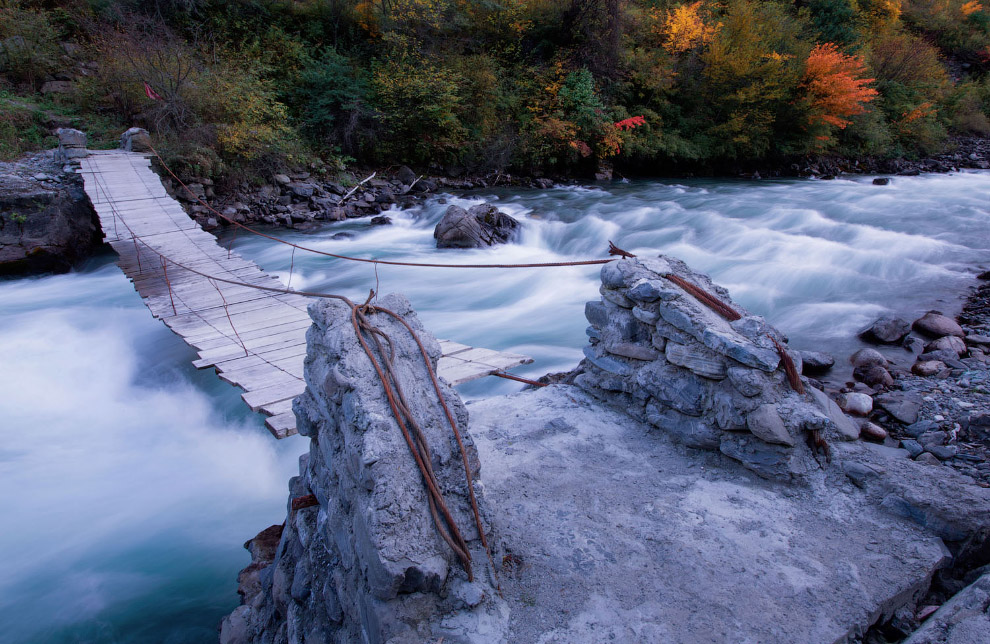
<point x="130" y="480"/>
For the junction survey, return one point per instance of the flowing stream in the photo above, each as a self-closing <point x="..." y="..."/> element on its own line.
<point x="130" y="480"/>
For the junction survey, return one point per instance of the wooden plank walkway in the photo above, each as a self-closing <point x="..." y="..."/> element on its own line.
<point x="254" y="339"/>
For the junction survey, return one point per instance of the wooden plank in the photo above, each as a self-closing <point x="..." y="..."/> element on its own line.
<point x="260" y="397"/>
<point x="275" y="409"/>
<point x="282" y="425"/>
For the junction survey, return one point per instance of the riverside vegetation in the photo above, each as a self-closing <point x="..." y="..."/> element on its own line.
<point x="244" y="90"/>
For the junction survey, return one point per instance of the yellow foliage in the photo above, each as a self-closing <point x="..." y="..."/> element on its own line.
<point x="683" y="28"/>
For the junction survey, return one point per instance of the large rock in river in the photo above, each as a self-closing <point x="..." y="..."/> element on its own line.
<point x="478" y="227"/>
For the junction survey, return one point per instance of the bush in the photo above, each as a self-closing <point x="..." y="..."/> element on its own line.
<point x="29" y="48"/>
<point x="417" y="104"/>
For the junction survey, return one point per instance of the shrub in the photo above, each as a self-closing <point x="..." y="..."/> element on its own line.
<point x="29" y="48"/>
<point x="417" y="104"/>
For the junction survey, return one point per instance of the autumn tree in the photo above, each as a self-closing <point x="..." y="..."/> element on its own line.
<point x="685" y="27"/>
<point x="835" y="89"/>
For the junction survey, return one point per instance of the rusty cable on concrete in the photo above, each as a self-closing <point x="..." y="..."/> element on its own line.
<point x="396" y="397"/>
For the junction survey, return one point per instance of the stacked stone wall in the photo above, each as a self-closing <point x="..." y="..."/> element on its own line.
<point x="664" y="357"/>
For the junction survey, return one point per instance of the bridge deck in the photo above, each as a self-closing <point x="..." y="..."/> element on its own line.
<point x="254" y="339"/>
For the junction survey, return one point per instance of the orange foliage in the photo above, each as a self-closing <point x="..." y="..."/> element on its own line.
<point x="971" y="7"/>
<point x="684" y="27"/>
<point x="835" y="86"/>
<point x="920" y="112"/>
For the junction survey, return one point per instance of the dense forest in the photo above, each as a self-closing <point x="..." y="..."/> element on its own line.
<point x="486" y="85"/>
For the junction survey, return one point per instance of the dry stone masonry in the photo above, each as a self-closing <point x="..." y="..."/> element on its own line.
<point x="364" y="562"/>
<point x="665" y="358"/>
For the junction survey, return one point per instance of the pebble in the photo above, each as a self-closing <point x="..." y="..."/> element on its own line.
<point x="928" y="459"/>
<point x="872" y="432"/>
<point x="913" y="447"/>
<point x="854" y="403"/>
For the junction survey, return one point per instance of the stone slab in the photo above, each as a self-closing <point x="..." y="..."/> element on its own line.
<point x="618" y="535"/>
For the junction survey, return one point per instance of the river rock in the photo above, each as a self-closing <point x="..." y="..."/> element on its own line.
<point x="914" y="344"/>
<point x="855" y="403"/>
<point x="936" y="325"/>
<point x="886" y="330"/>
<point x="873" y="375"/>
<point x="381" y="220"/>
<point x="136" y="139"/>
<point x="868" y="357"/>
<point x="947" y="343"/>
<point x="765" y="423"/>
<point x="815" y="363"/>
<point x="927" y="368"/>
<point x="913" y="447"/>
<point x="848" y="429"/>
<point x="881" y="181"/>
<point x="873" y="432"/>
<point x="904" y="406"/>
<point x="479" y="227"/>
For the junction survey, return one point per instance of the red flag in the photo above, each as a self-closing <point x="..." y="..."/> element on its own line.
<point x="152" y="94"/>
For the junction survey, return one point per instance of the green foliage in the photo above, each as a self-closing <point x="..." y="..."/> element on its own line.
<point x="22" y="128"/>
<point x="331" y="98"/>
<point x="834" y="21"/>
<point x="28" y="44"/>
<point x="418" y="106"/>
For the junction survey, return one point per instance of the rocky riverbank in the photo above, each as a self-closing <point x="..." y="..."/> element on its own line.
<point x="47" y="223"/>
<point x="302" y="199"/>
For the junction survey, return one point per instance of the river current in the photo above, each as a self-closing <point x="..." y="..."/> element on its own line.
<point x="130" y="480"/>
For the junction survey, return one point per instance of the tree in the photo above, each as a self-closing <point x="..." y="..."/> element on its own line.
<point x="834" y="87"/>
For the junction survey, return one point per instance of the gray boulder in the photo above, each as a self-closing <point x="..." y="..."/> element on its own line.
<point x="886" y="330"/>
<point x="405" y="175"/>
<point x="136" y="139"/>
<point x="43" y="229"/>
<point x="936" y="325"/>
<point x="815" y="363"/>
<point x="479" y="227"/>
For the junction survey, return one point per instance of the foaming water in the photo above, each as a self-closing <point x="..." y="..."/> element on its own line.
<point x="130" y="479"/>
<point x="820" y="259"/>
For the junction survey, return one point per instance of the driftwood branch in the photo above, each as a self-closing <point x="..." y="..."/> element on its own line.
<point x="354" y="189"/>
